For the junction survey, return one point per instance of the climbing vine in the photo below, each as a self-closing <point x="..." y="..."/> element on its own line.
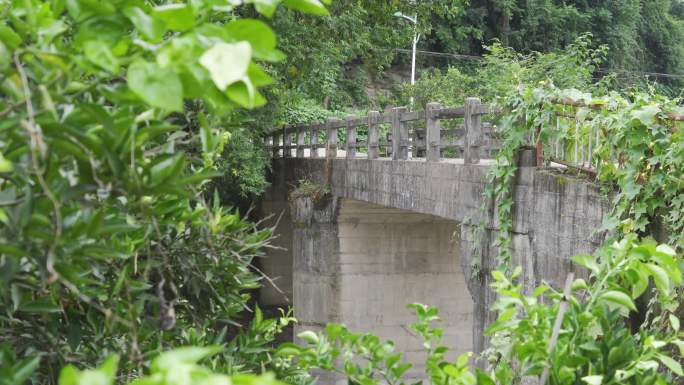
<point x="636" y="157"/>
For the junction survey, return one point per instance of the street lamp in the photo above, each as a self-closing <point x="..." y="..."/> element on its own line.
<point x="416" y="37"/>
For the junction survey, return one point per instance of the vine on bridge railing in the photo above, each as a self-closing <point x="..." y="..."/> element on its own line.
<point x="632" y="146"/>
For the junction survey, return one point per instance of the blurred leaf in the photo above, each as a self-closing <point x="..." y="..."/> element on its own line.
<point x="159" y="87"/>
<point x="227" y="63"/>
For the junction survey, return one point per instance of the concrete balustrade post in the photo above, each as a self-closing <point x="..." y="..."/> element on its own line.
<point x="432" y="133"/>
<point x="350" y="146"/>
<point x="373" y="146"/>
<point x="314" y="140"/>
<point x="399" y="135"/>
<point x="300" y="141"/>
<point x="276" y="145"/>
<point x="473" y="131"/>
<point x="287" y="141"/>
<point x="331" y="138"/>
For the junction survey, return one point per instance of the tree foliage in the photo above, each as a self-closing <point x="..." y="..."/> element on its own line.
<point x="113" y="115"/>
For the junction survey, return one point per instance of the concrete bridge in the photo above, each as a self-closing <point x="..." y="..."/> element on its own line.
<point x="399" y="219"/>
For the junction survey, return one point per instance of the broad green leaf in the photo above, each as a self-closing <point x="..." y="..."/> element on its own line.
<point x="5" y="57"/>
<point x="99" y="54"/>
<point x="587" y="261"/>
<point x="498" y="276"/>
<point x="184" y="355"/>
<point x="671" y="364"/>
<point x="24" y="369"/>
<point x="579" y="284"/>
<point x="258" y="34"/>
<point x="667" y="250"/>
<point x="308" y="336"/>
<point x="40" y="306"/>
<point x="266" y="7"/>
<point x="227" y="63"/>
<point x="660" y="277"/>
<point x="151" y="28"/>
<point x="483" y="378"/>
<point x="11" y="39"/>
<point x="287" y="350"/>
<point x="314" y="7"/>
<point x="593" y="380"/>
<point x="159" y="87"/>
<point x="400" y="369"/>
<point x="68" y="376"/>
<point x="646" y="114"/>
<point x="109" y="366"/>
<point x="618" y="298"/>
<point x="674" y="322"/>
<point x="680" y="345"/>
<point x="167" y="169"/>
<point x="245" y="94"/>
<point x="5" y="165"/>
<point x="177" y="16"/>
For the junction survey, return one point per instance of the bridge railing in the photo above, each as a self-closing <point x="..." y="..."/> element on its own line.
<point x="575" y="136"/>
<point x="433" y="134"/>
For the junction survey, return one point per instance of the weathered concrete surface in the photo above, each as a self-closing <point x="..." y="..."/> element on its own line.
<point x="389" y="258"/>
<point x="275" y="211"/>
<point x="555" y="217"/>
<point x="362" y="264"/>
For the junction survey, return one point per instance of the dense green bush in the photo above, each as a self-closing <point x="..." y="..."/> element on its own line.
<point x="503" y="70"/>
<point x="113" y="117"/>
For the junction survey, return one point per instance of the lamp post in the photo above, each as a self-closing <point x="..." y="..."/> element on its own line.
<point x="416" y="37"/>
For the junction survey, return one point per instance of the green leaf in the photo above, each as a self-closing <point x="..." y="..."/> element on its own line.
<point x="244" y="94"/>
<point x="11" y="39"/>
<point x="579" y="284"/>
<point x="5" y="165"/>
<point x="660" y="277"/>
<point x="177" y="16"/>
<point x="159" y="87"/>
<point x="587" y="261"/>
<point x="227" y="63"/>
<point x="40" y="306"/>
<point x="99" y="54"/>
<point x="309" y="337"/>
<point x="314" y="7"/>
<point x="671" y="364"/>
<point x="184" y="355"/>
<point x="483" y="378"/>
<point x="288" y="350"/>
<point x="674" y="322"/>
<point x="109" y="366"/>
<point x="5" y="57"/>
<point x="646" y="114"/>
<point x="68" y="376"/>
<point x="667" y="250"/>
<point x="151" y="28"/>
<point x="593" y="380"/>
<point x="258" y="34"/>
<point x="24" y="370"/>
<point x="167" y="169"/>
<point x="266" y="7"/>
<point x="680" y="345"/>
<point x="618" y="298"/>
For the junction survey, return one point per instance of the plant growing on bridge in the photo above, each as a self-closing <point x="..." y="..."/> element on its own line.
<point x="584" y="334"/>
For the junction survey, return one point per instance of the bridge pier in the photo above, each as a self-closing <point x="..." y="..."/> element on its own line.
<point x="361" y="265"/>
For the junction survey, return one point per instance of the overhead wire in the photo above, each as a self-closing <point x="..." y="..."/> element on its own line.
<point x="617" y="71"/>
